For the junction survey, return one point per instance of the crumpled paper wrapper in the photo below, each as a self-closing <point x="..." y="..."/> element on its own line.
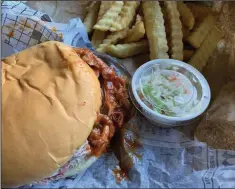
<point x="61" y="11"/>
<point x="170" y="157"/>
<point x="218" y="127"/>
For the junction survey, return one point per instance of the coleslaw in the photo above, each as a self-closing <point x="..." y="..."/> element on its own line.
<point x="168" y="92"/>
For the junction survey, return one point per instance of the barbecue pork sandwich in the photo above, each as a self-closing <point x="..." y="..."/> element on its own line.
<point x="54" y="99"/>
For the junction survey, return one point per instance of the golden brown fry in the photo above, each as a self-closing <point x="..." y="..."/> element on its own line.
<point x="105" y="5"/>
<point x="188" y="54"/>
<point x="97" y="38"/>
<point x="201" y="31"/>
<point x="136" y="32"/>
<point x="199" y="11"/>
<point x="102" y="48"/>
<point x="125" y="17"/>
<point x="109" y="17"/>
<point x="186" y="15"/>
<point x="127" y="50"/>
<point x="175" y="26"/>
<point x="206" y="49"/>
<point x="186" y="33"/>
<point x="112" y="38"/>
<point x="91" y="5"/>
<point x="91" y="16"/>
<point x="155" y="29"/>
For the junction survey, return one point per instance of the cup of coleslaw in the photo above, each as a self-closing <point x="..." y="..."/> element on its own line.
<point x="169" y="92"/>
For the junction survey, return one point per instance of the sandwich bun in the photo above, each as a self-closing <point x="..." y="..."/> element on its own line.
<point x="50" y="101"/>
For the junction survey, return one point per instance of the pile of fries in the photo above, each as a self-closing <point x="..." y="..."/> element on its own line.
<point x="167" y="29"/>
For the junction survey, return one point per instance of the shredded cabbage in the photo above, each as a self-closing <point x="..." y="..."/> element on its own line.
<point x="169" y="93"/>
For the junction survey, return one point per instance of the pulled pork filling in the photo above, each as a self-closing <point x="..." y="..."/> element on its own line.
<point x="116" y="106"/>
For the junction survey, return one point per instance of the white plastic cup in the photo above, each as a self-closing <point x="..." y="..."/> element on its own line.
<point x="197" y="80"/>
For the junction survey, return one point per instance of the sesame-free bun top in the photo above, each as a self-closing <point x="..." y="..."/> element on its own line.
<point x="50" y="101"/>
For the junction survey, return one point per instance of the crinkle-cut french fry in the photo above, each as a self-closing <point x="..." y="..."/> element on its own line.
<point x="109" y="17"/>
<point x="91" y="5"/>
<point x="199" y="11"/>
<point x="188" y="54"/>
<point x="125" y="17"/>
<point x="155" y="29"/>
<point x="97" y="38"/>
<point x="102" y="48"/>
<point x="91" y="16"/>
<point x="186" y="15"/>
<point x="202" y="55"/>
<point x="186" y="33"/>
<point x="128" y="49"/>
<point x="105" y="5"/>
<point x="136" y="32"/>
<point x="201" y="31"/>
<point x="112" y="38"/>
<point x="175" y="26"/>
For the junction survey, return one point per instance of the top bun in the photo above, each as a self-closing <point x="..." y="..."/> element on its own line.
<point x="50" y="101"/>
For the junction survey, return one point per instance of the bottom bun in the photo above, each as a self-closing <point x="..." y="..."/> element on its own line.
<point x="81" y="160"/>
